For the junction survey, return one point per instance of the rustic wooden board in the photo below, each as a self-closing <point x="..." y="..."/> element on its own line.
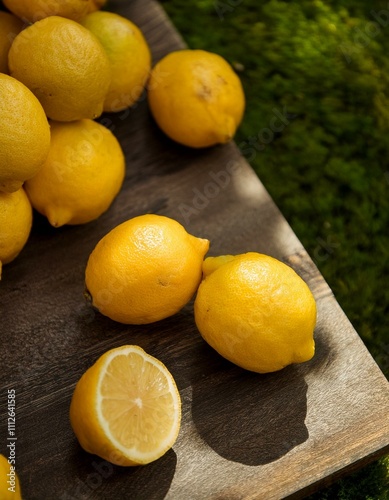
<point x="243" y="435"/>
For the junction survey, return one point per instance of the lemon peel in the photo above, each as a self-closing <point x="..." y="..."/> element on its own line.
<point x="256" y="312"/>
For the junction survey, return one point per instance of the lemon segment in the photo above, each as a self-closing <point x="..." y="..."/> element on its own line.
<point x="126" y="408"/>
<point x="256" y="312"/>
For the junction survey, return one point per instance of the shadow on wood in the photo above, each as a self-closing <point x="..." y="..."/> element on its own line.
<point x="241" y="420"/>
<point x="93" y="477"/>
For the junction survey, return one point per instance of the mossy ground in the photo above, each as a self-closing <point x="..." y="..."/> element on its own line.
<point x="324" y="67"/>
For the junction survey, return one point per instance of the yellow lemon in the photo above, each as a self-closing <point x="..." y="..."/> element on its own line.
<point x="15" y="224"/>
<point x="35" y="10"/>
<point x="64" y="65"/>
<point x="196" y="98"/>
<point x="24" y="134"/>
<point x="10" y="26"/>
<point x="82" y="175"/>
<point x="126" y="408"/>
<point x="96" y="5"/>
<point x="145" y="269"/>
<point x="256" y="312"/>
<point x="9" y="481"/>
<point x="128" y="54"/>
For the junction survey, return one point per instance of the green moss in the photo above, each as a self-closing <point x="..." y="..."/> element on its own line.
<point x="370" y="483"/>
<point x="325" y="64"/>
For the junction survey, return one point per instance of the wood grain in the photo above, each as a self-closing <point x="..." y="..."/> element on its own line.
<point x="243" y="436"/>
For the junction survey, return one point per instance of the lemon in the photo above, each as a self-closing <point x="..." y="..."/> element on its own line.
<point x="256" y="312"/>
<point x="10" y="26"/>
<point x="24" y="134"/>
<point x="64" y="65"/>
<point x="15" y="224"/>
<point x="96" y="5"/>
<point x="126" y="408"/>
<point x="128" y="54"/>
<point x="9" y="481"/>
<point x="82" y="175"/>
<point x="34" y="10"/>
<point x="196" y="98"/>
<point x="145" y="269"/>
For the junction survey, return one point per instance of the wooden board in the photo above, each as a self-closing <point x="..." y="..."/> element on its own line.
<point x="243" y="435"/>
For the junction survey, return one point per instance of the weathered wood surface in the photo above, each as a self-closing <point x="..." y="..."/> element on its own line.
<point x="243" y="435"/>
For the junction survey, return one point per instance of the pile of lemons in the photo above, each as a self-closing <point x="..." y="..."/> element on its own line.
<point x="62" y="64"/>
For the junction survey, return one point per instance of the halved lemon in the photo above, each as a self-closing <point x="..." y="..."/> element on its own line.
<point x="126" y="408"/>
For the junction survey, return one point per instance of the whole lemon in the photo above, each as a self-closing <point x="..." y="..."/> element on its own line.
<point x="35" y="10"/>
<point x="8" y="473"/>
<point x="24" y="134"/>
<point x="128" y="54"/>
<point x="196" y="98"/>
<point x="10" y="26"/>
<point x="256" y="312"/>
<point x="64" y="65"/>
<point x="145" y="269"/>
<point x="15" y="224"/>
<point x="83" y="173"/>
<point x="96" y="5"/>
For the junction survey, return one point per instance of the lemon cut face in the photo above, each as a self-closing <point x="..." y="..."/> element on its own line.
<point x="126" y="408"/>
